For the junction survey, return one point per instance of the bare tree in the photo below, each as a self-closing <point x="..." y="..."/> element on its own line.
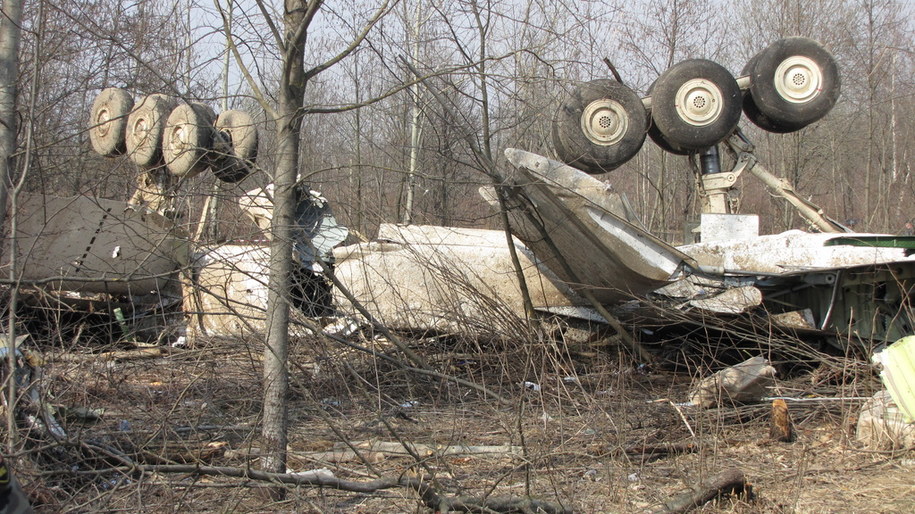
<point x="290" y="38"/>
<point x="10" y="22"/>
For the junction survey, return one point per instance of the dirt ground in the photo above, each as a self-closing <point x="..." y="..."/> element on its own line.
<point x="584" y="431"/>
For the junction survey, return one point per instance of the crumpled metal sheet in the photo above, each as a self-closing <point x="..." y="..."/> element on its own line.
<point x="443" y="278"/>
<point x="601" y="246"/>
<point x="791" y="251"/>
<point x="748" y="381"/>
<point x="316" y="231"/>
<point x="736" y="300"/>
<point x="97" y="246"/>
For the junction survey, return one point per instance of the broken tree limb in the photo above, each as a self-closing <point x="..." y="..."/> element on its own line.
<point x="657" y="451"/>
<point x="341" y="455"/>
<point x="118" y="355"/>
<point x="397" y="449"/>
<point x="430" y="497"/>
<point x="727" y="482"/>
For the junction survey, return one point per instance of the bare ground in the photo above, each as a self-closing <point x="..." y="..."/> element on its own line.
<point x="589" y="436"/>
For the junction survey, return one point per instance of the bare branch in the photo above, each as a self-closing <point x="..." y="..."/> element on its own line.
<point x="352" y="46"/>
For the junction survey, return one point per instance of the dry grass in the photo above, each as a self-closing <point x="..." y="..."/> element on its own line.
<point x="202" y="405"/>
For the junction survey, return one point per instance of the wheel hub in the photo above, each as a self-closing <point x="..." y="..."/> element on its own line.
<point x="798" y="79"/>
<point x="604" y="122"/>
<point x="179" y="141"/>
<point x="140" y="130"/>
<point x="101" y="121"/>
<point x="698" y="102"/>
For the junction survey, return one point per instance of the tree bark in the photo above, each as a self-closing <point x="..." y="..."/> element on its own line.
<point x="10" y="21"/>
<point x="289" y="125"/>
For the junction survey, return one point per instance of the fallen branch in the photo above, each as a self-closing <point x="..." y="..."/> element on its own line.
<point x="726" y="482"/>
<point x="394" y="448"/>
<point x="340" y="455"/>
<point x="652" y="452"/>
<point x="119" y="355"/>
<point x="429" y="496"/>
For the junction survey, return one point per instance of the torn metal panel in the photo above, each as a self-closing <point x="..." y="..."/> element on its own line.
<point x="586" y="232"/>
<point x="440" y="278"/>
<point x="316" y="231"/>
<point x="92" y="245"/>
<point x="732" y="301"/>
<point x="748" y="381"/>
<point x="897" y="370"/>
<point x="232" y="287"/>
<point x="793" y="250"/>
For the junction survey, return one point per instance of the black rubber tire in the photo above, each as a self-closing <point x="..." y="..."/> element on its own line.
<point x="695" y="104"/>
<point x="236" y="148"/>
<point x="814" y="76"/>
<point x="617" y="127"/>
<point x="188" y="139"/>
<point x="108" y="122"/>
<point x="664" y="144"/>
<point x="145" y="129"/>
<point x="658" y="137"/>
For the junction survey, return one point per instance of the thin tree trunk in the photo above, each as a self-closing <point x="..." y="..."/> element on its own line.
<point x="289" y="123"/>
<point x="415" y="122"/>
<point x="10" y="21"/>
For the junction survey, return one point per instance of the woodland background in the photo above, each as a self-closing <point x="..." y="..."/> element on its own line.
<point x="505" y="65"/>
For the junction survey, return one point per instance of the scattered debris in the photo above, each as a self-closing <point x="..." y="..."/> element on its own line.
<point x="881" y="425"/>
<point x="897" y="369"/>
<point x="31" y="408"/>
<point x="745" y="382"/>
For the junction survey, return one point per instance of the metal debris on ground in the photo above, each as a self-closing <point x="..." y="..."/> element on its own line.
<point x="749" y="381"/>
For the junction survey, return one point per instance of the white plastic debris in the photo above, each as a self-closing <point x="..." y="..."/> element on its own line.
<point x="532" y="386"/>
<point x="897" y="364"/>
<point x="881" y="425"/>
<point x="343" y="327"/>
<point x="312" y="474"/>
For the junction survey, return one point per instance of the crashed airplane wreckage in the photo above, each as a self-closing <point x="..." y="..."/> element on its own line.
<point x="580" y="245"/>
<point x="587" y="249"/>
